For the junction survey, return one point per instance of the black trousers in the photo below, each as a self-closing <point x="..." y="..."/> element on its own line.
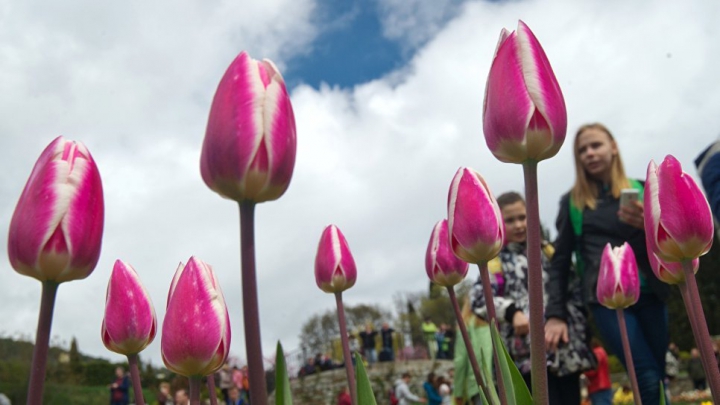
<point x="561" y="390"/>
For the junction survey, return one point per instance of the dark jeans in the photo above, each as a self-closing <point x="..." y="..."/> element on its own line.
<point x="602" y="397"/>
<point x="563" y="390"/>
<point x="647" y="326"/>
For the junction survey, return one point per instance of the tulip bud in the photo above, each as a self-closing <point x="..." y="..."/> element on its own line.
<point x="129" y="324"/>
<point x="56" y="230"/>
<point x="524" y="116"/>
<point x="196" y="330"/>
<point x="669" y="272"/>
<point x="335" y="269"/>
<point x="618" y="285"/>
<point x="442" y="266"/>
<point x="249" y="149"/>
<point x="475" y="224"/>
<point x="678" y="220"/>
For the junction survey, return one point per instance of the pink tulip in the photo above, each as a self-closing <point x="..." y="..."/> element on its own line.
<point x="56" y="230"/>
<point x="129" y="324"/>
<point x="618" y="285"/>
<point x="442" y="266"/>
<point x="249" y="149"/>
<point x="524" y="116"/>
<point x="196" y="330"/>
<point x="678" y="220"/>
<point x="335" y="269"/>
<point x="669" y="272"/>
<point x="475" y="224"/>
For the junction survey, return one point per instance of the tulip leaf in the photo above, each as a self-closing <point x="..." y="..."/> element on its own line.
<point x="488" y="380"/>
<point x="365" y="393"/>
<point x="283" y="396"/>
<point x="662" y="393"/>
<point x="516" y="392"/>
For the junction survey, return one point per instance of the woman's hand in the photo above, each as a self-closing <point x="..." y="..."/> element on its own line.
<point x="633" y="214"/>
<point x="521" y="324"/>
<point x="556" y="331"/>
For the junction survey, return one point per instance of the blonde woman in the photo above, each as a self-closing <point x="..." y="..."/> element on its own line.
<point x="590" y="217"/>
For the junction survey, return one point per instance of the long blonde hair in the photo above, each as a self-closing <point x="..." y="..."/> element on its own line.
<point x="585" y="192"/>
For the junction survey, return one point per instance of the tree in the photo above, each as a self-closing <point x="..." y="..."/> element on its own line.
<point x="76" y="367"/>
<point x="320" y="331"/>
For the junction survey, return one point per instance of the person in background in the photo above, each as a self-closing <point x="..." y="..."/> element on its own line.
<point x="164" y="397"/>
<point x="429" y="329"/>
<point x="386" y="334"/>
<point x="440" y="340"/>
<point x="234" y="397"/>
<point x="695" y="370"/>
<point x="513" y="307"/>
<point x="226" y="381"/>
<point x="368" y="342"/>
<point x="403" y="393"/>
<point x="708" y="167"/>
<point x="590" y="217"/>
<point x="181" y="397"/>
<point x="119" y="388"/>
<point x="599" y="385"/>
<point x="465" y="387"/>
<point x="344" y="396"/>
<point x="431" y="390"/>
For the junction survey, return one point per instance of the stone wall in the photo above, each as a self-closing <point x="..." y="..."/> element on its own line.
<point x="323" y="388"/>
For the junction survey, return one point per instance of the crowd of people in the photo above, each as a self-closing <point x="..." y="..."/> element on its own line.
<point x="590" y="216"/>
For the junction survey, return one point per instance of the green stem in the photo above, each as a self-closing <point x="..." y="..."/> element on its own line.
<point x="535" y="287"/>
<point x="135" y="377"/>
<point x="194" y="390"/>
<point x="628" y="356"/>
<point x="468" y="342"/>
<point x="702" y="335"/>
<point x="490" y="306"/>
<point x="251" y="312"/>
<point x="42" y="339"/>
<point x="346" y="348"/>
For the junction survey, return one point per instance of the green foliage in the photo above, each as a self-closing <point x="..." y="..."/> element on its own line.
<point x="283" y="396"/>
<point x="614" y="364"/>
<point x="516" y="392"/>
<point x="364" y="388"/>
<point x="320" y="331"/>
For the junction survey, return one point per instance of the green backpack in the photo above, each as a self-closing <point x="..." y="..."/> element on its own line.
<point x="576" y="219"/>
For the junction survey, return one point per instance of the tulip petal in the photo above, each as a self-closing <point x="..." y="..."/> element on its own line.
<point x="508" y="106"/>
<point x="474" y="218"/>
<point x="544" y="90"/>
<point x="195" y="335"/>
<point x="129" y="324"/>
<point x="441" y="264"/>
<point x="335" y="269"/>
<point x="680" y="199"/>
<point x="56" y="230"/>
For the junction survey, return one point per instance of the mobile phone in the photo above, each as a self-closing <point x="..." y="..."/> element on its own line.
<point x="628" y="196"/>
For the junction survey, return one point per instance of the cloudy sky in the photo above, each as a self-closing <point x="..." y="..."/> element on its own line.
<point x="387" y="97"/>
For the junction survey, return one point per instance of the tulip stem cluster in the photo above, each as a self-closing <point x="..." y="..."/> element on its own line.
<point x="535" y="286"/>
<point x="42" y="339"/>
<point x="468" y="342"/>
<point x="490" y="305"/>
<point x="628" y="356"/>
<point x="251" y="313"/>
<point x="691" y="296"/>
<point x="346" y="348"/>
<point x="195" y="383"/>
<point x="135" y="377"/>
<point x="211" y="389"/>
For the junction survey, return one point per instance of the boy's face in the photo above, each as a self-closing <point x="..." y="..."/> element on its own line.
<point x="515" y="218"/>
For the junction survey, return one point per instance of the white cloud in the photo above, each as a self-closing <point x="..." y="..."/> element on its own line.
<point x="376" y="159"/>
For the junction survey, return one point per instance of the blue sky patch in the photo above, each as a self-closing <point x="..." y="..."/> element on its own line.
<point x="350" y="49"/>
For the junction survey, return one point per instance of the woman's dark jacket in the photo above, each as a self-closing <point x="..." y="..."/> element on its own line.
<point x="599" y="226"/>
